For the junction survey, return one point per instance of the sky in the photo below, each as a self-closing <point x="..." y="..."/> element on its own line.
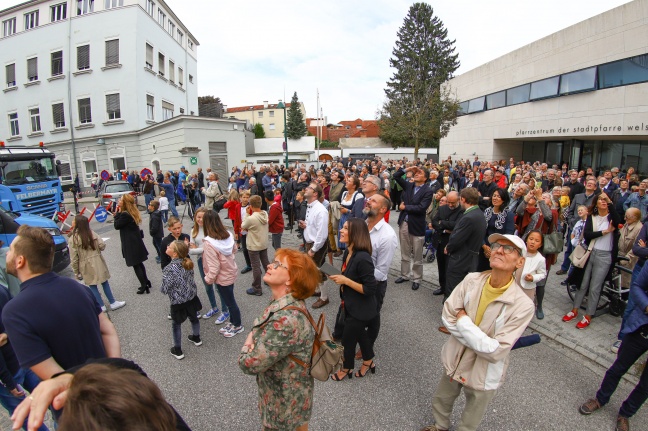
<point x="252" y="50"/>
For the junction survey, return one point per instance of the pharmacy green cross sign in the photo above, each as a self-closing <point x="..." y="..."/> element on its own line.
<point x="193" y="160"/>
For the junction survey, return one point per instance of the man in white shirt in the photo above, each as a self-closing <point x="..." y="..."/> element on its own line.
<point x="315" y="228"/>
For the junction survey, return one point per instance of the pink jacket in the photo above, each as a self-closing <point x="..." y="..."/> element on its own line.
<point x="218" y="261"/>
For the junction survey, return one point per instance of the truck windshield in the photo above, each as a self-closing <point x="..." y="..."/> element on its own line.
<point x="27" y="171"/>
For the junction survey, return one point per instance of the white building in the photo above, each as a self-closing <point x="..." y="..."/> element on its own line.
<point x="578" y="96"/>
<point x="97" y="82"/>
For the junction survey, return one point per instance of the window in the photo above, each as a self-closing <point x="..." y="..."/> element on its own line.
<point x="270" y="114"/>
<point x="150" y="107"/>
<point x="180" y="37"/>
<point x="8" y="27"/>
<point x="629" y="71"/>
<point x="496" y="100"/>
<point x="31" y="20"/>
<point x="180" y="77"/>
<point x="171" y="71"/>
<point x="57" y="63"/>
<point x="10" y="71"/>
<point x="272" y="126"/>
<point x="463" y="108"/>
<point x="64" y="168"/>
<point x="90" y="168"/>
<point x="32" y="69"/>
<point x="114" y="3"/>
<point x="476" y="105"/>
<point x="190" y="44"/>
<point x="149" y="56"/>
<point x="582" y="80"/>
<point x="83" y="57"/>
<point x="167" y="110"/>
<point x="58" y="115"/>
<point x="13" y="124"/>
<point x="171" y="28"/>
<point x="161" y="63"/>
<point x="150" y="6"/>
<point x="191" y="78"/>
<point x="517" y="95"/>
<point x="85" y="113"/>
<point x="544" y="88"/>
<point x="34" y="116"/>
<point x="112" y="106"/>
<point x="112" y="52"/>
<point x="161" y="17"/>
<point x="58" y="12"/>
<point x="85" y="6"/>
<point x="260" y="114"/>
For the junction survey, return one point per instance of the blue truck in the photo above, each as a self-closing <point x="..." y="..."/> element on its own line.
<point x="29" y="182"/>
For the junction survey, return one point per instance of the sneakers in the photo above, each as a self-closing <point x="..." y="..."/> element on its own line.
<point x="615" y="346"/>
<point x="198" y="314"/>
<point x="233" y="330"/>
<point x="158" y="260"/>
<point x="569" y="316"/>
<point x="117" y="305"/>
<point x="225" y="328"/>
<point x="222" y="318"/>
<point x="211" y="313"/>
<point x="176" y="352"/>
<point x="169" y="316"/>
<point x="583" y="323"/>
<point x="195" y="339"/>
<point x="246" y="270"/>
<point x="589" y="406"/>
<point x="252" y="291"/>
<point x="103" y="308"/>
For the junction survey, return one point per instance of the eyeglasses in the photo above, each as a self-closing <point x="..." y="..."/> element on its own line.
<point x="276" y="264"/>
<point x="508" y="249"/>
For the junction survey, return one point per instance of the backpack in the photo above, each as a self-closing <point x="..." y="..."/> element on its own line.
<point x="326" y="357"/>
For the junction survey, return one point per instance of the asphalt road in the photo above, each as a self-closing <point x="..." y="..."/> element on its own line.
<point x="545" y="385"/>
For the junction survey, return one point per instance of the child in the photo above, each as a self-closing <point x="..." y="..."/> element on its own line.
<point x="233" y="206"/>
<point x="299" y="214"/>
<point x="277" y="195"/>
<point x="88" y="263"/>
<point x="533" y="275"/>
<point x="178" y="282"/>
<point x="256" y="224"/>
<point x="245" y="200"/>
<point x="156" y="230"/>
<point x="219" y="266"/>
<point x="575" y="275"/>
<point x="275" y="219"/>
<point x="164" y="206"/>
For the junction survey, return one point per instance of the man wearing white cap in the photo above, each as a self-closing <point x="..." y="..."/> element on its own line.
<point x="485" y="314"/>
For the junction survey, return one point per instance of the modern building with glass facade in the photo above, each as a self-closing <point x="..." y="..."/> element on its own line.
<point x="578" y="96"/>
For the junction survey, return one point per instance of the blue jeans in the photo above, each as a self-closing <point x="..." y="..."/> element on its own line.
<point x="147" y="199"/>
<point x="630" y="305"/>
<point x="28" y="380"/>
<point x="566" y="262"/>
<point x="172" y="208"/>
<point x="165" y="215"/>
<point x="634" y="345"/>
<point x="209" y="288"/>
<point x="227" y="295"/>
<point x="107" y="292"/>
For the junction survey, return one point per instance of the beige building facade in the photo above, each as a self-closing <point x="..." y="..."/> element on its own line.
<point x="578" y="96"/>
<point x="268" y="115"/>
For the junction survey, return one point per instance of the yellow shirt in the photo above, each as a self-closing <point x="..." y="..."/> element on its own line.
<point x="489" y="294"/>
<point x="564" y="201"/>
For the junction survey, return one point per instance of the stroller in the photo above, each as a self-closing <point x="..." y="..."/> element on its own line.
<point x="429" y="249"/>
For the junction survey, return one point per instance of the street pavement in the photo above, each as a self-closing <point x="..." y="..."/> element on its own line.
<point x="545" y="384"/>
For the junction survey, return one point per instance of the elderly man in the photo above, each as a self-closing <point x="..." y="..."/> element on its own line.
<point x="435" y="184"/>
<point x="517" y="197"/>
<point x="549" y="182"/>
<point x="370" y="186"/>
<point x="485" y="314"/>
<point x="639" y="199"/>
<point x="486" y="189"/>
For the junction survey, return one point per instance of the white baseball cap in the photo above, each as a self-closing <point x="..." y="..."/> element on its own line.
<point x="516" y="240"/>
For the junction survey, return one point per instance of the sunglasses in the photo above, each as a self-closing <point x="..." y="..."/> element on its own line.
<point x="276" y="264"/>
<point x="508" y="249"/>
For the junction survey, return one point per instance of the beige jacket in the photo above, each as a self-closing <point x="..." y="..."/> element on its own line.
<point x="256" y="226"/>
<point x="478" y="356"/>
<point x="212" y="194"/>
<point x="89" y="263"/>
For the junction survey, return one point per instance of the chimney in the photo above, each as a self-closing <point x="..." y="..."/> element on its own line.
<point x="224" y="108"/>
<point x="265" y="104"/>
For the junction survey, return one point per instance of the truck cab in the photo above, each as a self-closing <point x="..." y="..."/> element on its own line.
<point x="10" y="221"/>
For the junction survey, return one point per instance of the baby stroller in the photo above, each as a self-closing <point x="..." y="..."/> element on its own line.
<point x="429" y="250"/>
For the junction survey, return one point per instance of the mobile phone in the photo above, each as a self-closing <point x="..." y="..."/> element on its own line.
<point x="538" y="185"/>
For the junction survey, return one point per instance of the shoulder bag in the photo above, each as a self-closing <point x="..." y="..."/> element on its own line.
<point x="580" y="255"/>
<point x="553" y="242"/>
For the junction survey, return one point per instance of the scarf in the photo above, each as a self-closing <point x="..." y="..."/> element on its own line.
<point x="501" y="217"/>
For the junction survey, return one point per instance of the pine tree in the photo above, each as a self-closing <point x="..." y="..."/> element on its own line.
<point x="420" y="109"/>
<point x="296" y="125"/>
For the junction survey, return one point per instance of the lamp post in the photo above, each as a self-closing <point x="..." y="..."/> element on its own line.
<point x="281" y="105"/>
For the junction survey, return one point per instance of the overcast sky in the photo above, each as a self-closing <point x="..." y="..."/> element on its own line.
<point x="253" y="50"/>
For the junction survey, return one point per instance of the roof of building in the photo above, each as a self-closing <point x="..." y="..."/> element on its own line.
<point x="253" y="108"/>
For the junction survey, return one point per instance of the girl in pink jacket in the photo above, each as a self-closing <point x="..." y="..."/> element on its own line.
<point x="219" y="265"/>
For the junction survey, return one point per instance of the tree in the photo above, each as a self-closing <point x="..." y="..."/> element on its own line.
<point x="210" y="106"/>
<point x="295" y="123"/>
<point x="258" y="131"/>
<point x="420" y="109"/>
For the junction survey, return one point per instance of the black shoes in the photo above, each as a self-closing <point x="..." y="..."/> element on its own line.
<point x="415" y="286"/>
<point x="142" y="290"/>
<point x="400" y="280"/>
<point x="177" y="352"/>
<point x="195" y="339"/>
<point x="246" y="270"/>
<point x="438" y="292"/>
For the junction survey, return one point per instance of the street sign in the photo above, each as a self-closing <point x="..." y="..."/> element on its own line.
<point x="145" y="172"/>
<point x="101" y="214"/>
<point x="193" y="160"/>
<point x="105" y="175"/>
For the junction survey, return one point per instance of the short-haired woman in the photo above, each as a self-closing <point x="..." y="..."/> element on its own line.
<point x="498" y="220"/>
<point x="358" y="293"/>
<point x="285" y="388"/>
<point x="127" y="221"/>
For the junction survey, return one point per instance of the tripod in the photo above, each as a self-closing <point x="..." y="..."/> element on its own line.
<point x="189" y="205"/>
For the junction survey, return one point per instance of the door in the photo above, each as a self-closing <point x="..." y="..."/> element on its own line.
<point x="218" y="164"/>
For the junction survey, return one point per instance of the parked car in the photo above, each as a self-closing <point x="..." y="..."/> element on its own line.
<point x="112" y="191"/>
<point x="10" y="221"/>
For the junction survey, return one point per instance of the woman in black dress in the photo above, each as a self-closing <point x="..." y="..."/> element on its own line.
<point x="499" y="220"/>
<point x="127" y="221"/>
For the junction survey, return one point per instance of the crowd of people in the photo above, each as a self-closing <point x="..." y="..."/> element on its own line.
<point x="497" y="228"/>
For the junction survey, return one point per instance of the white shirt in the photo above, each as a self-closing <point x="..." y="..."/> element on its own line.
<point x="243" y="215"/>
<point x="534" y="265"/>
<point x="603" y="243"/>
<point x="164" y="203"/>
<point x="316" y="225"/>
<point x="383" y="245"/>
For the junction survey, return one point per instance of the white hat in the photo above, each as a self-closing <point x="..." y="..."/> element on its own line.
<point x="516" y="240"/>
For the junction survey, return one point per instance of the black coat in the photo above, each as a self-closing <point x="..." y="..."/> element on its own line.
<point x="132" y="244"/>
<point x="435" y="186"/>
<point x="165" y="259"/>
<point x="416" y="205"/>
<point x="445" y="220"/>
<point x="362" y="306"/>
<point x="590" y="234"/>
<point x="156" y="228"/>
<point x="463" y="247"/>
<point x="485" y="190"/>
